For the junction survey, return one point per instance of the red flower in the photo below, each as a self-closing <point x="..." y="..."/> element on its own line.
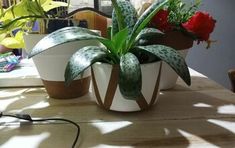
<point x="201" y="24"/>
<point x="160" y="21"/>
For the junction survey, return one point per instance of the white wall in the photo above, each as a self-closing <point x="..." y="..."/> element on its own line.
<point x="216" y="61"/>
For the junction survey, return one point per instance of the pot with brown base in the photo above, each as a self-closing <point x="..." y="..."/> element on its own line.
<point x="106" y="89"/>
<point x="51" y="66"/>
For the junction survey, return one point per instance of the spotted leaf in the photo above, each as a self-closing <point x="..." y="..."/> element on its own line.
<point x="130" y="79"/>
<point x="64" y="35"/>
<point x="145" y="19"/>
<point x="129" y="15"/>
<point x="82" y="59"/>
<point x="171" y="57"/>
<point x="148" y="34"/>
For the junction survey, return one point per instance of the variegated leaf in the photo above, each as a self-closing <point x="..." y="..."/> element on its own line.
<point x="145" y="18"/>
<point x="172" y="58"/>
<point x="64" y="35"/>
<point x="129" y="15"/>
<point x="130" y="79"/>
<point x="148" y="34"/>
<point x="82" y="59"/>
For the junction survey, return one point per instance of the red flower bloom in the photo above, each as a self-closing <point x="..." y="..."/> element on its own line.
<point x="201" y="24"/>
<point x="160" y="21"/>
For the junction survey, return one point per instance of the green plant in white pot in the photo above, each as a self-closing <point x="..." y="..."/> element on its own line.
<point x="119" y="68"/>
<point x="22" y="16"/>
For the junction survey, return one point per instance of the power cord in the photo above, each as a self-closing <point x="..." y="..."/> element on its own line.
<point x="27" y="117"/>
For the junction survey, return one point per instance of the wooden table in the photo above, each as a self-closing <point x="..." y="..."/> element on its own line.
<point x="202" y="115"/>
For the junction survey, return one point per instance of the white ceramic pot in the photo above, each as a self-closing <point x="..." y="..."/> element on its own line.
<point x="107" y="93"/>
<point x="169" y="76"/>
<point x="51" y="66"/>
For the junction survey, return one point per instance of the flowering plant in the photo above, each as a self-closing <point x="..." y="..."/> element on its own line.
<point x="177" y="15"/>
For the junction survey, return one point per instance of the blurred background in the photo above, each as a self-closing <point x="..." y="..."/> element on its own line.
<point x="217" y="60"/>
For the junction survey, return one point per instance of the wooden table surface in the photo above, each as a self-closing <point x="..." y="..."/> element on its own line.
<point x="202" y="115"/>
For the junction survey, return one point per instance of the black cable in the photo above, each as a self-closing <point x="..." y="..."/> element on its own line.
<point x="28" y="118"/>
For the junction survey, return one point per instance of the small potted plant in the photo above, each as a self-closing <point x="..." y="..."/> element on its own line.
<point x="181" y="23"/>
<point x="17" y="31"/>
<point x="125" y="76"/>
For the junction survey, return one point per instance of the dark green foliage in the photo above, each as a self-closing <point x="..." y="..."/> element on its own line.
<point x="145" y="19"/>
<point x="171" y="57"/>
<point x="82" y="59"/>
<point x="148" y="34"/>
<point x="67" y="34"/>
<point x="130" y="76"/>
<point x="128" y="14"/>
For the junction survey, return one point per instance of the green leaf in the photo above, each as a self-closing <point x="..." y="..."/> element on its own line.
<point x="13" y="42"/>
<point x="130" y="79"/>
<point x="172" y="58"/>
<point x="145" y="18"/>
<point x="148" y="34"/>
<point x="48" y="6"/>
<point x="118" y="13"/>
<point x="119" y="40"/>
<point x="83" y="59"/>
<point x="129" y="16"/>
<point x="109" y="32"/>
<point x="64" y="35"/>
<point x="108" y="44"/>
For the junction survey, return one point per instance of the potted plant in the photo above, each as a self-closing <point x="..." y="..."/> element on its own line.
<point x="20" y="18"/>
<point x="181" y="24"/>
<point x="17" y="31"/>
<point x="125" y="76"/>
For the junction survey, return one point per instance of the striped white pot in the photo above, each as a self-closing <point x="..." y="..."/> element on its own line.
<point x="51" y="66"/>
<point x="169" y="76"/>
<point x="107" y="93"/>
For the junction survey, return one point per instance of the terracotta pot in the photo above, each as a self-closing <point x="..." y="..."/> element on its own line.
<point x="107" y="93"/>
<point x="51" y="65"/>
<point x="174" y="39"/>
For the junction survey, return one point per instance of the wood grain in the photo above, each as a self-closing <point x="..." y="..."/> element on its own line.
<point x="202" y="115"/>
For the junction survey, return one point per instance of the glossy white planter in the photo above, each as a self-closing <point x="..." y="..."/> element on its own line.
<point x="51" y="65"/>
<point x="107" y="93"/>
<point x="169" y="76"/>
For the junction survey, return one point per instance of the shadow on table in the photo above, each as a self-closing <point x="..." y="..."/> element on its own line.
<point x="180" y="118"/>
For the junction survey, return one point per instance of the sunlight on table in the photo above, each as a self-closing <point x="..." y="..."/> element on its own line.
<point x="26" y="141"/>
<point x="109" y="127"/>
<point x="196" y="141"/>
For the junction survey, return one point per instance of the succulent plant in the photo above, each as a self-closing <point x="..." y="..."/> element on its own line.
<point x="121" y="48"/>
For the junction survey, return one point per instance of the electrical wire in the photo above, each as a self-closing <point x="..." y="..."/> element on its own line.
<point x="28" y="118"/>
